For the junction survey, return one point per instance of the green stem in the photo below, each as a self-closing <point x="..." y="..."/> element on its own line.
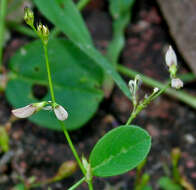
<point x="3" y="9"/>
<point x="72" y="147"/>
<point x="61" y="122"/>
<point x="49" y="73"/>
<point x="131" y="118"/>
<point x="81" y="4"/>
<point x="90" y="185"/>
<point x="181" y="95"/>
<point x="77" y="184"/>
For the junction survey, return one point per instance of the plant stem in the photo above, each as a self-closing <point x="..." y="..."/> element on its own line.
<point x="90" y="185"/>
<point x="72" y="147"/>
<point x="61" y="122"/>
<point x="49" y="73"/>
<point x="81" y="4"/>
<point x="3" y="7"/>
<point x="131" y="118"/>
<point x="181" y="95"/>
<point x="77" y="184"/>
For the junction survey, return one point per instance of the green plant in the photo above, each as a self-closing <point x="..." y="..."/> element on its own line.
<point x="69" y="74"/>
<point x="127" y="145"/>
<point x="75" y="72"/>
<point x="141" y="179"/>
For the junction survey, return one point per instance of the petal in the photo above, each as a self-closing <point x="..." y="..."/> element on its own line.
<point x="24" y="111"/>
<point x="60" y="113"/>
<point x="176" y="83"/>
<point x="170" y="57"/>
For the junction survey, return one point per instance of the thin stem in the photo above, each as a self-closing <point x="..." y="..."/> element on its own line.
<point x="180" y="95"/>
<point x="49" y="73"/>
<point x="131" y="118"/>
<point x="3" y="7"/>
<point x="72" y="147"/>
<point x="61" y="122"/>
<point x="77" y="184"/>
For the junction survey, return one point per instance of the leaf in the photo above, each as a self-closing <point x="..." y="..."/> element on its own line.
<point x="76" y="82"/>
<point x="166" y="183"/>
<point x="120" y="10"/>
<point x="119" y="151"/>
<point x="121" y="13"/>
<point x="68" y="19"/>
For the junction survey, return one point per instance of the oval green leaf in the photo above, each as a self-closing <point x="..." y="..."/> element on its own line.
<point x="119" y="151"/>
<point x="76" y="82"/>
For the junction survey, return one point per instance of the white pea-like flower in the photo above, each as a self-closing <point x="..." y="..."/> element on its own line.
<point x="24" y="112"/>
<point x="29" y="110"/>
<point x="176" y="83"/>
<point x="60" y="113"/>
<point x="170" y="57"/>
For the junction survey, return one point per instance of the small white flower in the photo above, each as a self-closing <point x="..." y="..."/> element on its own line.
<point x="176" y="83"/>
<point x="60" y="113"/>
<point x="170" y="57"/>
<point x="155" y="90"/>
<point x="131" y="85"/>
<point x="24" y="111"/>
<point x="29" y="110"/>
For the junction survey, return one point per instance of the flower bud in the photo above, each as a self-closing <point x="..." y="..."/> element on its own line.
<point x="24" y="112"/>
<point x="60" y="113"/>
<point x="39" y="29"/>
<point x="155" y="90"/>
<point x="133" y="87"/>
<point x="176" y="83"/>
<point x="170" y="57"/>
<point x="87" y="167"/>
<point x="45" y="34"/>
<point x="29" y="16"/>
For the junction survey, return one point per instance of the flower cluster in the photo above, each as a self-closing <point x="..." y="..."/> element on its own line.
<point x="171" y="62"/>
<point x="31" y="109"/>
